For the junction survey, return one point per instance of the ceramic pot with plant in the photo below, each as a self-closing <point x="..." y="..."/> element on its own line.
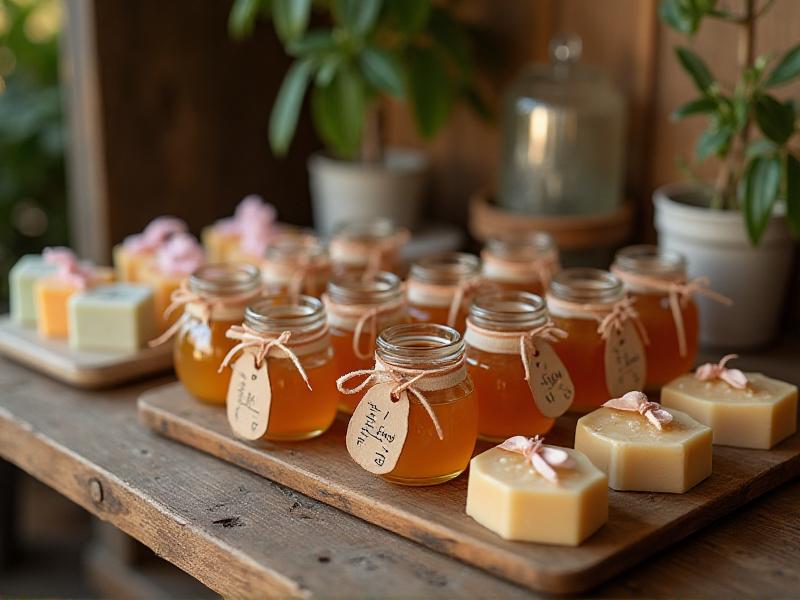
<point x="737" y="229"/>
<point x="370" y="50"/>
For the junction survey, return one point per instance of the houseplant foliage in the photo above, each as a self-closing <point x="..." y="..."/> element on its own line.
<point x="409" y="49"/>
<point x="750" y="129"/>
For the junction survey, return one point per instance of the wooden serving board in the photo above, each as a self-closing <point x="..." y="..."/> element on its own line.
<point x="79" y="368"/>
<point x="639" y="523"/>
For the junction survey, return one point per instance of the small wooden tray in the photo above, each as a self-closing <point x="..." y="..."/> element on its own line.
<point x="639" y="523"/>
<point x="89" y="370"/>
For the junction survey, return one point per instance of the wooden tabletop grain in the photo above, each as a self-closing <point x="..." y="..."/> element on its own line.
<point x="245" y="536"/>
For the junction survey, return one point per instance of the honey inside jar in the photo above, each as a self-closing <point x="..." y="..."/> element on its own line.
<point x="200" y="344"/>
<point x="520" y="260"/>
<point x="506" y="406"/>
<point x="367" y="246"/>
<point x="296" y="263"/>
<point x="297" y="412"/>
<point x="426" y="459"/>
<point x="433" y="287"/>
<point x="369" y="303"/>
<point x="583" y="351"/>
<point x="647" y="272"/>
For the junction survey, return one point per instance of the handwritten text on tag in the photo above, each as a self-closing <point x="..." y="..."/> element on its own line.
<point x="550" y="382"/>
<point x="378" y="428"/>
<point x="249" y="398"/>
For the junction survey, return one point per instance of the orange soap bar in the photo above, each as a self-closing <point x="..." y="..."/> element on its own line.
<point x="52" y="302"/>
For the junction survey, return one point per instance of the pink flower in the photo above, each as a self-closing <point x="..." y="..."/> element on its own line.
<point x="156" y="234"/>
<point x="180" y="255"/>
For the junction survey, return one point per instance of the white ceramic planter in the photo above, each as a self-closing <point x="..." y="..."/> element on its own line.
<point x="343" y="191"/>
<point x="716" y="245"/>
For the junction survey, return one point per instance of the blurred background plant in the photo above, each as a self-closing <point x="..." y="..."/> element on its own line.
<point x="754" y="173"/>
<point x="416" y="50"/>
<point x="33" y="210"/>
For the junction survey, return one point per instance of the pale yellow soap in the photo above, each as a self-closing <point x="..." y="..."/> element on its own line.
<point x="637" y="456"/>
<point x="506" y="495"/>
<point x="759" y="416"/>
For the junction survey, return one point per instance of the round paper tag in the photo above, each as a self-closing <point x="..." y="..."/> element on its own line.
<point x="625" y="361"/>
<point x="249" y="398"/>
<point x="378" y="428"/>
<point x="550" y="382"/>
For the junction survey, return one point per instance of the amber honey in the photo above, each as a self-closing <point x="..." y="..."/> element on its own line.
<point x="200" y="343"/>
<point x="426" y="459"/>
<point x="647" y="272"/>
<point x="297" y="412"/>
<point x="296" y="264"/>
<point x="367" y="246"/>
<point x="434" y="284"/>
<point x="372" y="301"/>
<point x="583" y="351"/>
<point x="522" y="261"/>
<point x="505" y="401"/>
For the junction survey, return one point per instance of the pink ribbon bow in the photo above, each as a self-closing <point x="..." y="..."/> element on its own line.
<point x="543" y="459"/>
<point x="157" y="232"/>
<point x="180" y="255"/>
<point x="733" y="377"/>
<point x="70" y="270"/>
<point x="638" y="402"/>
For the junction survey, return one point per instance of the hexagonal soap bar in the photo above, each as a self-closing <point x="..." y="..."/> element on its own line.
<point x="647" y="448"/>
<point x="510" y="492"/>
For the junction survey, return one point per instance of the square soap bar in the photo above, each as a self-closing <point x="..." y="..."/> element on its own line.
<point x="119" y="316"/>
<point x="505" y="494"/>
<point x="22" y="279"/>
<point x="759" y="416"/>
<point x="52" y="300"/>
<point x="639" y="457"/>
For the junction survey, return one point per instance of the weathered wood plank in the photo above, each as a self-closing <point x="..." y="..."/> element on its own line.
<point x="239" y="534"/>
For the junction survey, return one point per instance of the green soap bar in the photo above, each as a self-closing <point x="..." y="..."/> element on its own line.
<point x="22" y="279"/>
<point x="117" y="316"/>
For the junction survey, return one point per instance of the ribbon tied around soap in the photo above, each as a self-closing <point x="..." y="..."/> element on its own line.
<point x="733" y="377"/>
<point x="543" y="459"/>
<point x="638" y="402"/>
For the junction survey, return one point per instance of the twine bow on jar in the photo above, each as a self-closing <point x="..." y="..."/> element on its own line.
<point x="544" y="460"/>
<point x="638" y="402"/>
<point x="733" y="377"/>
<point x="463" y="290"/>
<point x="527" y="342"/>
<point x="622" y="311"/>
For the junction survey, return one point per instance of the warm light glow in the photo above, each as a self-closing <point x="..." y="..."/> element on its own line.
<point x="537" y="134"/>
<point x="44" y="21"/>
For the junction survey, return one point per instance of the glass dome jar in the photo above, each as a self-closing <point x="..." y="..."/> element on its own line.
<point x="563" y="130"/>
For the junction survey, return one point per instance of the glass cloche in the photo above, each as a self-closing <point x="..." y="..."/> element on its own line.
<point x="562" y="138"/>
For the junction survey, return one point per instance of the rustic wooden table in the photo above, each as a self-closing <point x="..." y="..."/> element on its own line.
<point x="244" y="536"/>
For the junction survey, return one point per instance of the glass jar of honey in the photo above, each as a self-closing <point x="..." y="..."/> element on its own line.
<point x="499" y="325"/>
<point x="359" y="308"/>
<point x="296" y="264"/>
<point x="440" y="288"/>
<point x="367" y="247"/>
<point x="290" y="335"/>
<point x="426" y="362"/>
<point x="657" y="280"/>
<point x="214" y="299"/>
<point x="520" y="260"/>
<point x="604" y="350"/>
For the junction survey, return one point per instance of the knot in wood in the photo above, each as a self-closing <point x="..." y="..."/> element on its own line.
<point x="95" y="490"/>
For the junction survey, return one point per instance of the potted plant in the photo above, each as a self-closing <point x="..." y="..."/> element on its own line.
<point x="370" y="50"/>
<point x="737" y="229"/>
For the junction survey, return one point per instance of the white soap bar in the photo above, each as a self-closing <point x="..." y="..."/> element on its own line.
<point x="118" y="316"/>
<point x="506" y="495"/>
<point x="759" y="416"/>
<point x="22" y="278"/>
<point x="637" y="456"/>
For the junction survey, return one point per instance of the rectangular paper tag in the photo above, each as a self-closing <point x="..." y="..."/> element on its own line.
<point x="625" y="361"/>
<point x="378" y="428"/>
<point x="249" y="398"/>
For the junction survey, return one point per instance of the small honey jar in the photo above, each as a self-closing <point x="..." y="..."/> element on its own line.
<point x="520" y="260"/>
<point x="604" y="351"/>
<point x="296" y="264"/>
<point x="213" y="299"/>
<point x="366" y="247"/>
<point x="284" y="346"/>
<point x="440" y="288"/>
<point x="418" y="421"/>
<point x="520" y="382"/>
<point x="359" y="307"/>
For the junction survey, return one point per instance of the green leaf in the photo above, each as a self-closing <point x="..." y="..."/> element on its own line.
<point x="242" y="18"/>
<point x="357" y="16"/>
<point x="286" y="110"/>
<point x="671" y="13"/>
<point x="775" y="120"/>
<point x="695" y="107"/>
<point x="451" y="40"/>
<point x="430" y="88"/>
<point x="761" y="147"/>
<point x="339" y="109"/>
<point x="713" y="141"/>
<point x="762" y="181"/>
<point x="290" y="18"/>
<point x="787" y="69"/>
<point x="793" y="193"/>
<point x="327" y="70"/>
<point x="314" y="42"/>
<point x="382" y="70"/>
<point x="696" y="69"/>
<point x="411" y="15"/>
